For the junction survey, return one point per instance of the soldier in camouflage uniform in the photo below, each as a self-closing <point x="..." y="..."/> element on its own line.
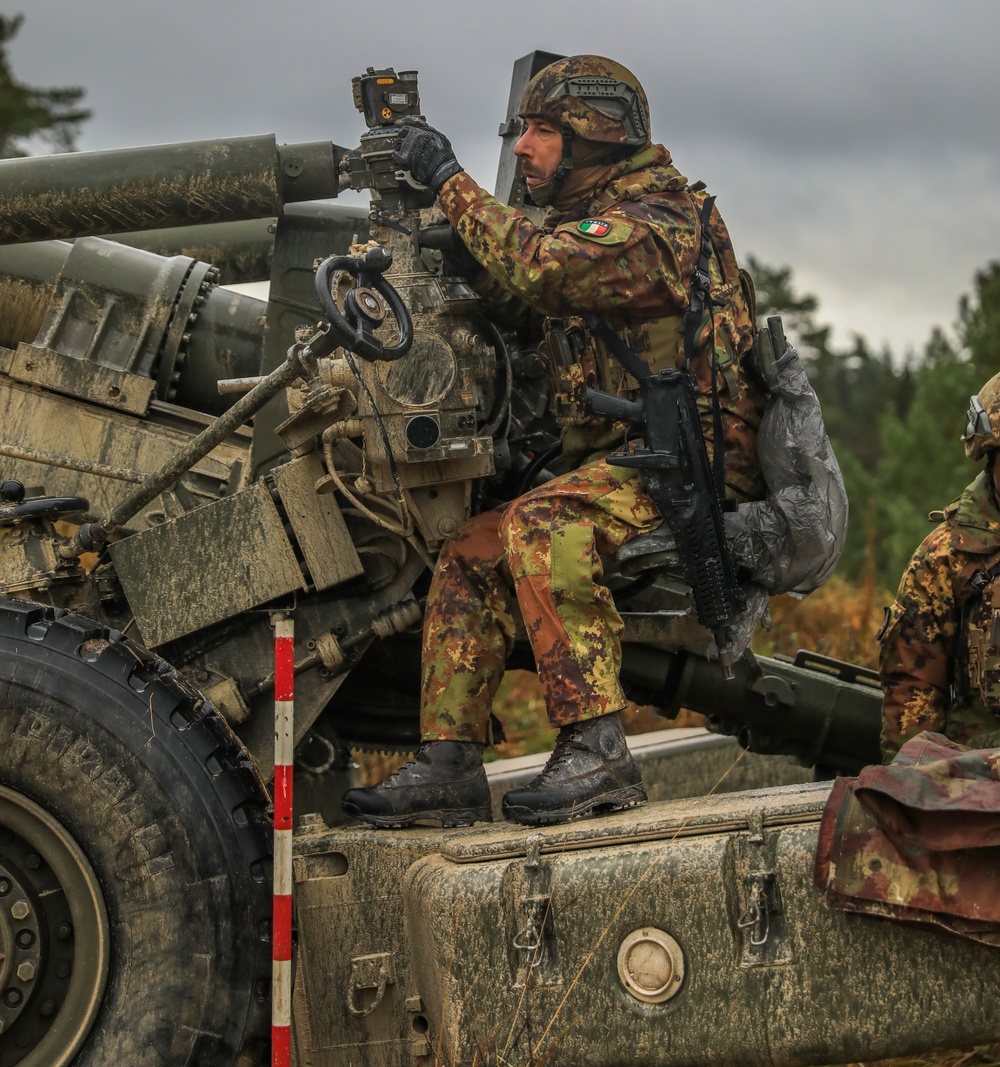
<point x="621" y="240"/>
<point x="940" y="644"/>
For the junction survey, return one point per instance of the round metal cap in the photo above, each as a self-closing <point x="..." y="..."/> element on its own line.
<point x="651" y="965"/>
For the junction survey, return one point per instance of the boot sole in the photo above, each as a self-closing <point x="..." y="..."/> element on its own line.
<point x="436" y="817"/>
<point x="605" y="804"/>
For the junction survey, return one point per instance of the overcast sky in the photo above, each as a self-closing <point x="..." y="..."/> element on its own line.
<point x="854" y="140"/>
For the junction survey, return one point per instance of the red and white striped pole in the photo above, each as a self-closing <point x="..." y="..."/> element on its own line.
<point x="281" y="971"/>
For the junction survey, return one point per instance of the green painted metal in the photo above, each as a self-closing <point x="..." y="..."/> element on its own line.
<point x="193" y="183"/>
<point x="504" y="946"/>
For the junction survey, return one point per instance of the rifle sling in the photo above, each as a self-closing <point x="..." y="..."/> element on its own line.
<point x="701" y="300"/>
<point x="617" y="347"/>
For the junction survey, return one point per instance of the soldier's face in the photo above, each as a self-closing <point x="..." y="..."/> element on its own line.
<point x="540" y="150"/>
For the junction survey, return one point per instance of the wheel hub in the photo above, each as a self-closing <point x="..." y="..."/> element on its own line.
<point x="20" y="945"/>
<point x="54" y="945"/>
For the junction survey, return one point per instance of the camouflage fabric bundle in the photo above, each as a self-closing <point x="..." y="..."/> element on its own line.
<point x="918" y="840"/>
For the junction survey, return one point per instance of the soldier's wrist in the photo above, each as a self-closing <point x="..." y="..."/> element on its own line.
<point x="447" y="170"/>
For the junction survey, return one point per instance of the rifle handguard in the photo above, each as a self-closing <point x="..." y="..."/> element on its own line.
<point x="674" y="469"/>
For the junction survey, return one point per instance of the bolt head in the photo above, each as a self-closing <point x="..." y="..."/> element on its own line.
<point x="20" y="909"/>
<point x="26" y="971"/>
<point x="312" y="821"/>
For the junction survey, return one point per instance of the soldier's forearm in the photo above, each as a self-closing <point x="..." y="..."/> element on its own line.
<point x="908" y="708"/>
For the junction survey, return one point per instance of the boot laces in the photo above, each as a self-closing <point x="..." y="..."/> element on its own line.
<point x="566" y="747"/>
<point x="401" y="774"/>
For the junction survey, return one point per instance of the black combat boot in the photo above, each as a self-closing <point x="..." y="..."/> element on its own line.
<point x="444" y="785"/>
<point x="590" y="771"/>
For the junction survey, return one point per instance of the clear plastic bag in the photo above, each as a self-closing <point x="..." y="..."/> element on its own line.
<point x="791" y="541"/>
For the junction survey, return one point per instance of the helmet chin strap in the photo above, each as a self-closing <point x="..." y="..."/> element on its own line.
<point x="566" y="164"/>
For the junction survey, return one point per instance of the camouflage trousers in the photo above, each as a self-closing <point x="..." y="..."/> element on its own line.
<point x="539" y="556"/>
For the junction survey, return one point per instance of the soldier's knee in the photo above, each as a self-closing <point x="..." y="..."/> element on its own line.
<point x="475" y="545"/>
<point x="524" y="535"/>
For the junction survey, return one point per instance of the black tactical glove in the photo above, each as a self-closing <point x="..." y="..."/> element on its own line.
<point x="425" y="153"/>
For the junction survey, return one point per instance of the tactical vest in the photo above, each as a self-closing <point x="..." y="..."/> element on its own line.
<point x="981" y="615"/>
<point x="577" y="360"/>
<point x="975" y="670"/>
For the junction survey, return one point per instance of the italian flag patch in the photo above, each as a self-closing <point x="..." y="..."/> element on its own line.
<point x="595" y="227"/>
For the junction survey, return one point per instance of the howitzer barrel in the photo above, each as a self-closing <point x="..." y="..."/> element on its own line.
<point x="242" y="251"/>
<point x="193" y="183"/>
<point x="27" y="285"/>
<point x="168" y="319"/>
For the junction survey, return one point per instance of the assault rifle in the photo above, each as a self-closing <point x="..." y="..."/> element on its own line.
<point x="675" y="470"/>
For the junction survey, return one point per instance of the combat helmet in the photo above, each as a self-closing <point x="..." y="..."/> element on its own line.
<point x="590" y="97"/>
<point x="982" y="434"/>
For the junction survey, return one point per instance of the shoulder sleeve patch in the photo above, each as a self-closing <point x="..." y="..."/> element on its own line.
<point x="602" y="231"/>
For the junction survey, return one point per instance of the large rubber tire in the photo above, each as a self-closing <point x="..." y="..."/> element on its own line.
<point x="125" y="791"/>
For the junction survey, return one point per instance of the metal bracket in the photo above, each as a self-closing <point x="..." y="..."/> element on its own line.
<point x="756" y="908"/>
<point x="764" y="902"/>
<point x="530" y="939"/>
<point x="110" y="387"/>
<point x="377" y="971"/>
<point x="535" y="957"/>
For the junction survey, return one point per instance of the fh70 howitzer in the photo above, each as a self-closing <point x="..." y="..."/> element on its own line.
<point x="136" y="680"/>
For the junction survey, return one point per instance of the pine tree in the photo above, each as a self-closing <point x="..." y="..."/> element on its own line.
<point x="979" y="322"/>
<point x="51" y="116"/>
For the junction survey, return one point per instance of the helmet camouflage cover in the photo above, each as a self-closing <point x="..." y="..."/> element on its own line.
<point x="597" y="98"/>
<point x="982" y="434"/>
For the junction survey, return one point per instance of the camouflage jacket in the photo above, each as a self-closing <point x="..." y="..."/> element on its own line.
<point x="934" y="677"/>
<point x="918" y="840"/>
<point x="629" y="254"/>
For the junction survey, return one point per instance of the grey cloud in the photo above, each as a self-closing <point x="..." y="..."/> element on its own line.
<point x="853" y="140"/>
